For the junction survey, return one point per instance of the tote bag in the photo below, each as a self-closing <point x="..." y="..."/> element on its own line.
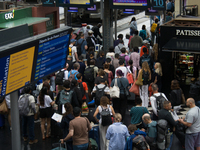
<point x="134" y="89"/>
<point x="139" y="80"/>
<point x="114" y="91"/>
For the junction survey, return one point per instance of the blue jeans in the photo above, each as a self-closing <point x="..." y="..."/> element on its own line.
<point x="80" y="147"/>
<point x="28" y="121"/>
<point x="171" y="140"/>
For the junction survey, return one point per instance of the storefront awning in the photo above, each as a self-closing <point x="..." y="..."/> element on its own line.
<point x="28" y="20"/>
<point x="188" y="45"/>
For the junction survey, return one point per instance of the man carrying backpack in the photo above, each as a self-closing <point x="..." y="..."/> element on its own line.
<point x="66" y="95"/>
<point x="72" y="74"/>
<point x="81" y="46"/>
<point x="100" y="90"/>
<point x="157" y="100"/>
<point x="146" y="58"/>
<point x="73" y="50"/>
<point x="27" y="110"/>
<point x="170" y="6"/>
<point x="83" y="87"/>
<point x="154" y="30"/>
<point x="166" y="115"/>
<point x="123" y="56"/>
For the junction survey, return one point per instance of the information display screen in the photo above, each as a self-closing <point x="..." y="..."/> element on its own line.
<point x="75" y="3"/>
<point x="52" y="54"/>
<point x="73" y="9"/>
<point x="31" y="59"/>
<point x="140" y="4"/>
<point x="159" y="4"/>
<point x="128" y="11"/>
<point x="92" y="8"/>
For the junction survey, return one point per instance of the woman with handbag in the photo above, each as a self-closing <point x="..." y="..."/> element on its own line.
<point x="120" y="104"/>
<point x="144" y="76"/>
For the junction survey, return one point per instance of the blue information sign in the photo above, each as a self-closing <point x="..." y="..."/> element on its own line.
<point x="52" y="54"/>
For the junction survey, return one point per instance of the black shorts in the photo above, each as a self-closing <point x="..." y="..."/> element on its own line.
<point x="45" y="112"/>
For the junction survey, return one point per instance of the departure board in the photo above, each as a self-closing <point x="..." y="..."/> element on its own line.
<point x="74" y="3"/>
<point x="159" y="4"/>
<point x="52" y="54"/>
<point x="140" y="4"/>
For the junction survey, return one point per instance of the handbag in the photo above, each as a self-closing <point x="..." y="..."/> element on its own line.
<point x="114" y="91"/>
<point x="134" y="89"/>
<point x="129" y="77"/>
<point x="139" y="80"/>
<point x="3" y="107"/>
<point x="126" y="90"/>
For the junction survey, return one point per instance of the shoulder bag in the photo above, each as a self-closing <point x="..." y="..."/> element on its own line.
<point x="134" y="89"/>
<point x="114" y="91"/>
<point x="139" y="80"/>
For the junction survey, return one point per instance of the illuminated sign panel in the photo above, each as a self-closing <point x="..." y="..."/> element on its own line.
<point x="31" y="59"/>
<point x="74" y="3"/>
<point x="138" y="4"/>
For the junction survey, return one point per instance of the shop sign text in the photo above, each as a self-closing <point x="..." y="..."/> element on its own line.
<point x="188" y="32"/>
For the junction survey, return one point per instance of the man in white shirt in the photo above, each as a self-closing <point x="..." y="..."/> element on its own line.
<point x="74" y="50"/>
<point x="153" y="100"/>
<point x="125" y="70"/>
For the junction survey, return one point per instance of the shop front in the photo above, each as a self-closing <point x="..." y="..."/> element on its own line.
<point x="180" y="52"/>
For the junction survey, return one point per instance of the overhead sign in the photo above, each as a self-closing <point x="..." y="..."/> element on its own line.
<point x="74" y="3"/>
<point x="159" y="4"/>
<point x="16" y="70"/>
<point x="51" y="55"/>
<point x="137" y="4"/>
<point x="32" y="59"/>
<point x="10" y="15"/>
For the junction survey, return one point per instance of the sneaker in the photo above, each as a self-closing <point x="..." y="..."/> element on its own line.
<point x="33" y="141"/>
<point x="25" y="139"/>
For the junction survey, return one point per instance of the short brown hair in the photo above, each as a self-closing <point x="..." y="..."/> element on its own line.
<point x="106" y="66"/>
<point x="104" y="101"/>
<point x="132" y="128"/>
<point x="175" y="85"/>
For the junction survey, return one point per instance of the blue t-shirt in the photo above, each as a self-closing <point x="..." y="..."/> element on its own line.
<point x="82" y="46"/>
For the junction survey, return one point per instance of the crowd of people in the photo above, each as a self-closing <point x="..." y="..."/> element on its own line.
<point x="106" y="78"/>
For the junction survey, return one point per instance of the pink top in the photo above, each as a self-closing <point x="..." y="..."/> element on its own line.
<point x="135" y="57"/>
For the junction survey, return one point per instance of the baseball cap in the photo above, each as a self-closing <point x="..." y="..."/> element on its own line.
<point x="72" y="40"/>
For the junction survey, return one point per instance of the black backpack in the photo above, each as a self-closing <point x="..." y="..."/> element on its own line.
<point x="145" y="77"/>
<point x="195" y="91"/>
<point x="159" y="101"/>
<point x="123" y="58"/>
<point x="89" y="74"/>
<point x="140" y="143"/>
<point x="100" y="62"/>
<point x="99" y="93"/>
<point x="147" y="59"/>
<point x="106" y="119"/>
<point x="59" y="78"/>
<point x="79" y="47"/>
<point x="80" y="87"/>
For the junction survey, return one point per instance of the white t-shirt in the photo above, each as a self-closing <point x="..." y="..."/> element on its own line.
<point x="47" y="101"/>
<point x="123" y="69"/>
<point x="74" y="50"/>
<point x="153" y="101"/>
<point x="65" y="74"/>
<point x="100" y="110"/>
